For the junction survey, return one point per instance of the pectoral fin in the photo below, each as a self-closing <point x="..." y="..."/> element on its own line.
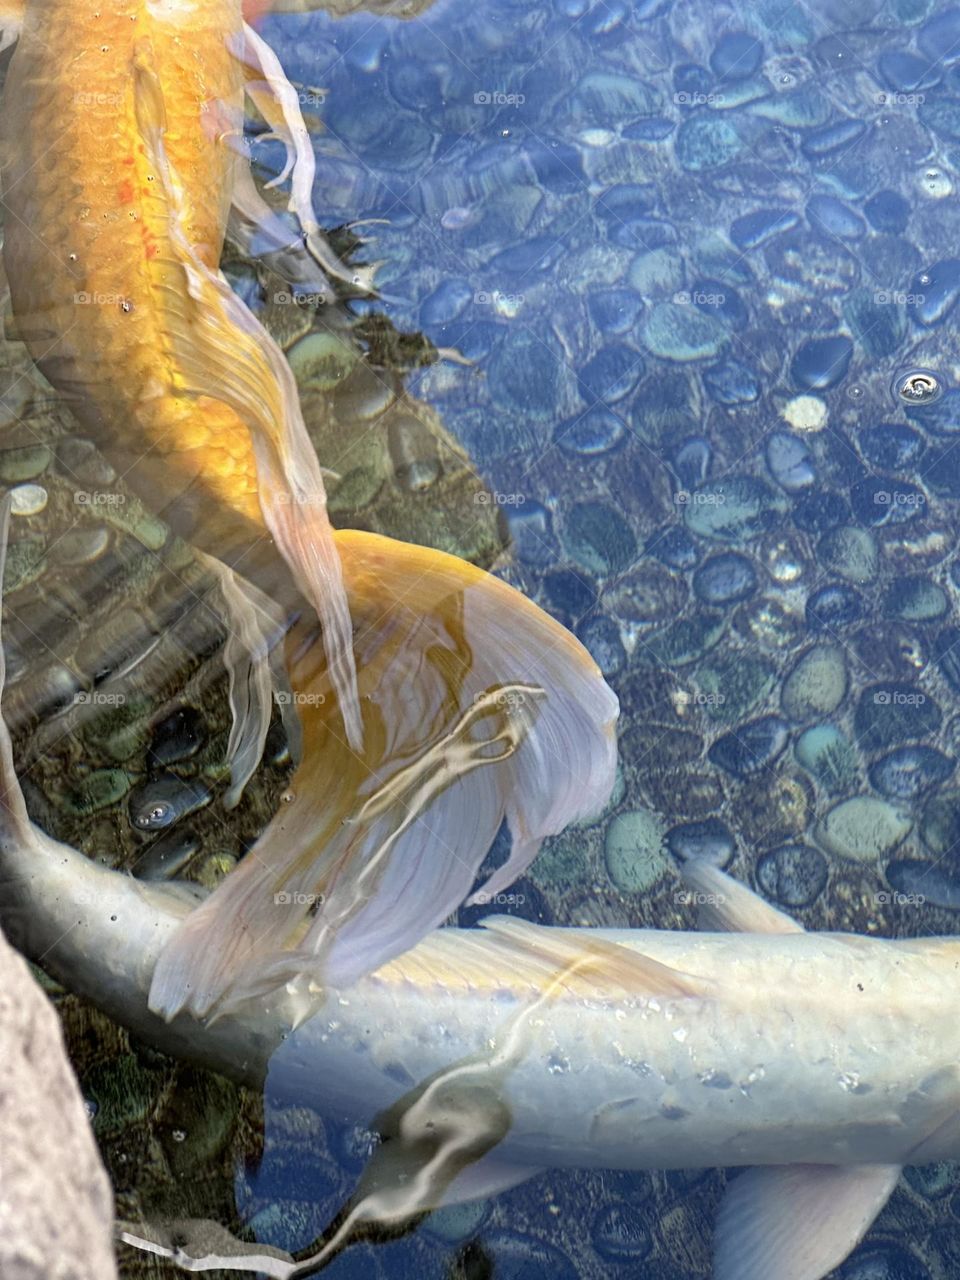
<point x="797" y="1222"/>
<point x="728" y="906"/>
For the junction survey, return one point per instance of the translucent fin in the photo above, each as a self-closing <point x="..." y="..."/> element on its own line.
<point x="259" y="232"/>
<point x="278" y="103"/>
<point x="727" y="906"/>
<point x="253" y="656"/>
<point x="478" y="708"/>
<point x="223" y="351"/>
<point x="11" y="21"/>
<point x="797" y="1222"/>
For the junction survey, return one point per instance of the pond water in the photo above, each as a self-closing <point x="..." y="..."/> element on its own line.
<point x="692" y="270"/>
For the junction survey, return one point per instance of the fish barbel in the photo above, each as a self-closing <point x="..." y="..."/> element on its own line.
<point x="471" y="706"/>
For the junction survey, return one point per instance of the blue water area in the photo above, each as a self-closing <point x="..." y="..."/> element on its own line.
<point x="690" y="251"/>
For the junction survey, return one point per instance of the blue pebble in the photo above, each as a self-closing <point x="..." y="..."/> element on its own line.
<point x="831" y="137"/>
<point x="731" y="383"/>
<point x="641" y="233"/>
<point x="558" y="166"/>
<point x="932" y="882"/>
<point x="532" y="533"/>
<point x="570" y="592"/>
<point x="611" y="374"/>
<point x="691" y="461"/>
<point x="447" y="302"/>
<point x="892" y="446"/>
<point x="626" y="202"/>
<point x="605" y="19"/>
<point x="888" y="211"/>
<point x="794" y="875"/>
<point x="718" y="299"/>
<point x="877" y="502"/>
<point x="725" y="579"/>
<point x="475" y="341"/>
<point x="708" y="841"/>
<point x="905" y="72"/>
<point x="690" y="78"/>
<point x="601" y="637"/>
<point x="941" y="417"/>
<point x="936" y="290"/>
<point x="820" y="511"/>
<point x="534" y="257"/>
<point x="597" y="431"/>
<point x="752" y="230"/>
<point x="821" y="362"/>
<point x="939" y="38"/>
<point x="789" y="462"/>
<point x="834" y="218"/>
<point x="751" y="748"/>
<point x="650" y="129"/>
<point x="614" y="311"/>
<point x="736" y="55"/>
<point x="834" y="606"/>
<point x="909" y="771"/>
<point x="674" y="547"/>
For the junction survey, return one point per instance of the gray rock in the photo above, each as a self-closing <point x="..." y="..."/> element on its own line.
<point x="56" y="1210"/>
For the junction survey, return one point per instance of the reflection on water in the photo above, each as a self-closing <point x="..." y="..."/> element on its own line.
<point x="690" y="254"/>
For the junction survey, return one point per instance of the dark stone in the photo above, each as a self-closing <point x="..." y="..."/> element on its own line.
<point x="708" y="841"/>
<point x="909" y="771"/>
<point x="793" y="875"/>
<point x="888" y="212"/>
<point x="820" y="511"/>
<point x="833" y="607"/>
<point x="889" y="714"/>
<point x="165" y="800"/>
<point x="177" y="737"/>
<point x="821" y="362"/>
<point x="891" y="446"/>
<point x="936" y="290"/>
<point x="731" y="383"/>
<point x="736" y="56"/>
<point x="752" y="230"/>
<point x="674" y="547"/>
<point x="750" y="747"/>
<point x="725" y="579"/>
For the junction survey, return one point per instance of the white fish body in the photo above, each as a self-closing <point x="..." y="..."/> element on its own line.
<point x="830" y="1059"/>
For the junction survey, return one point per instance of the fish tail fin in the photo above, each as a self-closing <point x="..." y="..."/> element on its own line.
<point x="224" y="353"/>
<point x="478" y="708"/>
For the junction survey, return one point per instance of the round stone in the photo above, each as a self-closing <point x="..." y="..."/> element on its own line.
<point x="863" y="829"/>
<point x="805" y="413"/>
<point x="909" y="771"/>
<point x="599" y="538"/>
<point x="915" y="599"/>
<point x="734" y="509"/>
<point x="750" y="747"/>
<point x="27" y="499"/>
<point x="794" y="875"/>
<point x="634" y="850"/>
<point x="851" y="553"/>
<point x="322" y="360"/>
<point x="725" y="579"/>
<point x="680" y="332"/>
<point x="592" y="433"/>
<point x="834" y="607"/>
<point x="888" y="714"/>
<point x="817" y="684"/>
<point x="789" y="462"/>
<point x="826" y="754"/>
<point x="736" y="55"/>
<point x="706" y="841"/>
<point x="821" y="362"/>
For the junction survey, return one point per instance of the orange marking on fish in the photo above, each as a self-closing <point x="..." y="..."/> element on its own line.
<point x="125" y="192"/>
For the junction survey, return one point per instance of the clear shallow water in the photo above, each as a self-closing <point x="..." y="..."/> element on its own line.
<point x="689" y="249"/>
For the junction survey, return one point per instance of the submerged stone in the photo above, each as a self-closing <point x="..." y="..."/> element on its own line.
<point x="734" y="509"/>
<point x="725" y="579"/>
<point x="599" y="538"/>
<point x="909" y="771"/>
<point x="731" y="383"/>
<point x="821" y="362"/>
<point x="863" y="829"/>
<point x="794" y="875"/>
<point x="890" y="713"/>
<point x="165" y="800"/>
<point x="834" y="606"/>
<point x="751" y="747"/>
<point x="891" y="446"/>
<point x="789" y="462"/>
<point x="826" y="754"/>
<point x="634" y="850"/>
<point x="915" y="599"/>
<point x="678" y="331"/>
<point x="817" y="684"/>
<point x="707" y="841"/>
<point x="706" y="142"/>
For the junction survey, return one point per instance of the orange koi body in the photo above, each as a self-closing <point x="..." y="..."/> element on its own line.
<point x="441" y="702"/>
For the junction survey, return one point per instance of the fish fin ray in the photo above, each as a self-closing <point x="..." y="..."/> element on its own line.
<point x="797" y="1222"/>
<point x="728" y="906"/>
<point x="277" y="101"/>
<point x="224" y="352"/>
